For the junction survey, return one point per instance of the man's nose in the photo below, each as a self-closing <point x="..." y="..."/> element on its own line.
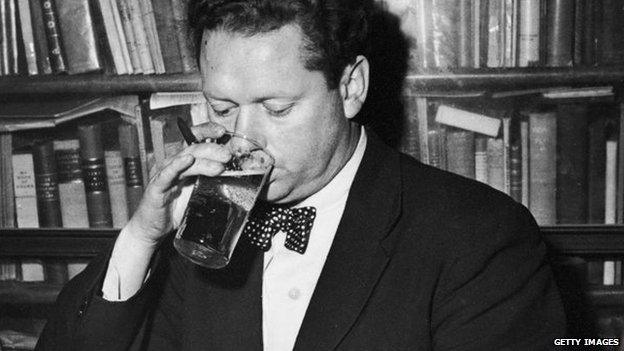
<point x="248" y="123"/>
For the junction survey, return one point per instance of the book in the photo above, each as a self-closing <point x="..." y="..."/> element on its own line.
<point x="528" y="33"/>
<point x="609" y="37"/>
<point x="460" y="147"/>
<point x="465" y="37"/>
<point x="128" y="30"/>
<point x="75" y="267"/>
<point x="496" y="164"/>
<point x="495" y="49"/>
<point x="46" y="184"/>
<point x="138" y="28"/>
<point x="510" y="32"/>
<point x="32" y="270"/>
<point x="166" y="137"/>
<point x="167" y="36"/>
<point x="79" y="38"/>
<point x="123" y="42"/>
<point x="149" y="24"/>
<point x="12" y="17"/>
<point x="524" y="151"/>
<point x="515" y="172"/>
<point x="39" y="34"/>
<point x="542" y="166"/>
<point x="481" y="164"/>
<point x="596" y="156"/>
<point x="409" y="141"/>
<point x="26" y="212"/>
<point x="26" y="25"/>
<point x="611" y="180"/>
<point x="479" y="32"/>
<point x="444" y="33"/>
<point x="7" y="204"/>
<point x="559" y="30"/>
<point x="56" y="51"/>
<point x="129" y="145"/>
<point x="572" y="171"/>
<point x="72" y="194"/>
<point x="186" y="44"/>
<point x="4" y="38"/>
<point x="94" y="173"/>
<point x="115" y="174"/>
<point x="112" y="35"/>
<point x="467" y="120"/>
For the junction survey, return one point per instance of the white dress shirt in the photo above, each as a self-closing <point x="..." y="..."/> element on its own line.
<point x="290" y="278"/>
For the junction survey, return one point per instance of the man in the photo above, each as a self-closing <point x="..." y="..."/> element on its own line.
<point x="400" y="255"/>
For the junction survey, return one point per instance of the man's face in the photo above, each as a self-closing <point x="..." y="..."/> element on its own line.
<point x="258" y="86"/>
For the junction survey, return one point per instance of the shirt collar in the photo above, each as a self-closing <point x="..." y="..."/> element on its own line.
<point x="337" y="189"/>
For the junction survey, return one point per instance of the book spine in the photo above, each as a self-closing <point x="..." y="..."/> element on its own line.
<point x="7" y="191"/>
<point x="128" y="140"/>
<point x="4" y="37"/>
<point x="542" y="166"/>
<point x="105" y="12"/>
<point x="131" y="43"/>
<point x="611" y="181"/>
<point x="475" y="29"/>
<point x="579" y="28"/>
<point x="481" y="168"/>
<point x="529" y="33"/>
<point x="25" y="192"/>
<point x="14" y="68"/>
<point x="121" y="35"/>
<point x="40" y="38"/>
<point x="408" y="143"/>
<point x="78" y="33"/>
<point x="149" y="24"/>
<point x="94" y="173"/>
<point x="71" y="185"/>
<point x="167" y="36"/>
<point x="445" y="15"/>
<point x="140" y="36"/>
<point x="28" y="37"/>
<point x="46" y="183"/>
<point x="495" y="164"/>
<point x="515" y="172"/>
<point x="53" y="36"/>
<point x="32" y="270"/>
<point x="560" y="24"/>
<point x="620" y="168"/>
<point x="461" y="152"/>
<point x="510" y="29"/>
<point x="465" y="44"/>
<point x="588" y="43"/>
<point x="524" y="150"/>
<point x="572" y="150"/>
<point x="495" y="42"/>
<point x="116" y="187"/>
<point x="596" y="166"/>
<point x="185" y="39"/>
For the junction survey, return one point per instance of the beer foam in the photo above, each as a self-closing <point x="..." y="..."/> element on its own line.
<point x="242" y="173"/>
<point x="240" y="195"/>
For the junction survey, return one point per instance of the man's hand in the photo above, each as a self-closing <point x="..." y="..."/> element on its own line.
<point x="152" y="220"/>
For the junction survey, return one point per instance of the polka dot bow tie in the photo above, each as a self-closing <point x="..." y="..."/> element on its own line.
<point x="297" y="223"/>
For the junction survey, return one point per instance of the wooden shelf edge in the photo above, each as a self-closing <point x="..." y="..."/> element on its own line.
<point x="22" y="293"/>
<point x="589" y="240"/>
<point x="55" y="242"/>
<point x="99" y="84"/>
<point x="514" y="78"/>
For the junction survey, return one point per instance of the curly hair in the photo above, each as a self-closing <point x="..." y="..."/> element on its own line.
<point x="335" y="31"/>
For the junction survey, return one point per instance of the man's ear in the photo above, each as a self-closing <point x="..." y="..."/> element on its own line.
<point x="354" y="86"/>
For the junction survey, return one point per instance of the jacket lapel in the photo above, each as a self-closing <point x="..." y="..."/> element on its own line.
<point x="357" y="257"/>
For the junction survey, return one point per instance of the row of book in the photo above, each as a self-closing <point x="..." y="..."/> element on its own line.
<point x="602" y="272"/>
<point x="560" y="161"/>
<point x="510" y="33"/>
<point x="56" y="272"/>
<point x="39" y="37"/>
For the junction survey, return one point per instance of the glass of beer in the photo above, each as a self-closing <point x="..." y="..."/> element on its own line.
<point x="218" y="207"/>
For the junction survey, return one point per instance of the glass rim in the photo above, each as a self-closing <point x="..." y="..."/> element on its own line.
<point x="252" y="141"/>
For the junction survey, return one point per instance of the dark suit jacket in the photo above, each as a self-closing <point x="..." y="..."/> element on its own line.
<point x="422" y="260"/>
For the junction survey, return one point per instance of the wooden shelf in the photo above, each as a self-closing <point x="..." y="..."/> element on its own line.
<point x="74" y="243"/>
<point x="24" y="293"/>
<point x="99" y="84"/>
<point x="586" y="240"/>
<point x="514" y="78"/>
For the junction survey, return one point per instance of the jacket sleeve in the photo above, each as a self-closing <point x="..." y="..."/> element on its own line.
<point x="83" y="320"/>
<point x="498" y="291"/>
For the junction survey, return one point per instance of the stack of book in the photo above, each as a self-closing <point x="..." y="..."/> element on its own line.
<point x="39" y="37"/>
<point x="559" y="159"/>
<point x="446" y="34"/>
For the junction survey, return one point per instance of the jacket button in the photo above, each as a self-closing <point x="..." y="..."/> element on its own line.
<point x="83" y="307"/>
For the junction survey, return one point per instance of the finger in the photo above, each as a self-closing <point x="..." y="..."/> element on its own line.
<point x="208" y="130"/>
<point x="210" y="151"/>
<point x="204" y="167"/>
<point x="170" y="174"/>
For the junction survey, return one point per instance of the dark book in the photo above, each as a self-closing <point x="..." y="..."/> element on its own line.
<point x="596" y="170"/>
<point x="572" y="148"/>
<point x="609" y="37"/>
<point x="585" y="13"/>
<point x="559" y="32"/>
<point x="515" y="172"/>
<point x="79" y="40"/>
<point x="104" y="48"/>
<point x="46" y="184"/>
<point x="167" y="36"/>
<point x="186" y="45"/>
<point x="40" y="38"/>
<point x="129" y="141"/>
<point x="94" y="173"/>
<point x="53" y="36"/>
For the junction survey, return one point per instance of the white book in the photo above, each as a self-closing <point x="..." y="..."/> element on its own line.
<point x="467" y="120"/>
<point x="608" y="276"/>
<point x="113" y="37"/>
<point x="116" y="178"/>
<point x="27" y="37"/>
<point x="75" y="268"/>
<point x="529" y="32"/>
<point x="25" y="191"/>
<point x="32" y="271"/>
<point x="611" y="182"/>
